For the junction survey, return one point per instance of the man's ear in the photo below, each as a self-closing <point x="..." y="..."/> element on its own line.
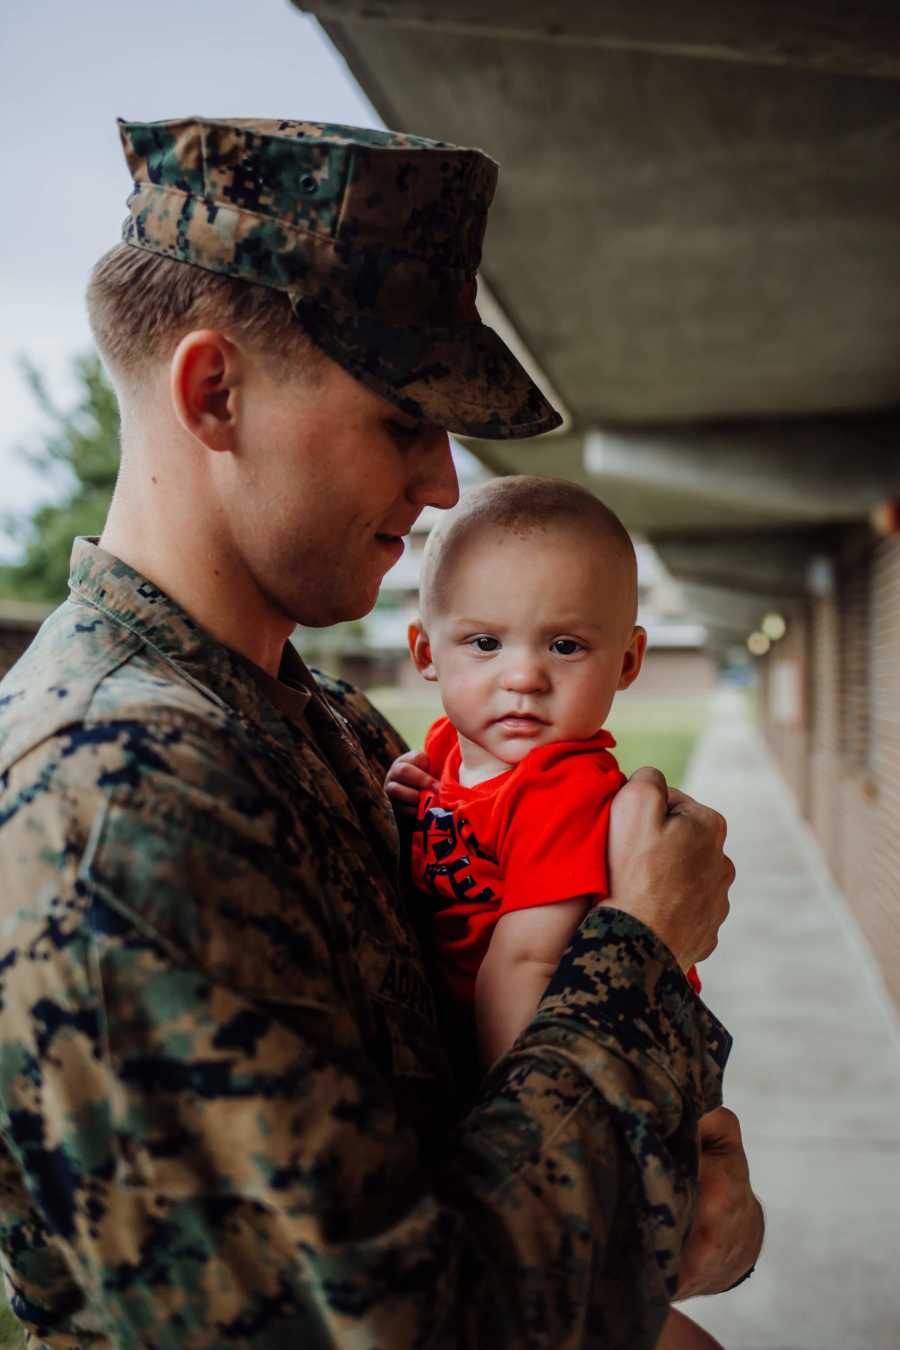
<point x="205" y="375"/>
<point x="633" y="658"/>
<point x="420" y="650"/>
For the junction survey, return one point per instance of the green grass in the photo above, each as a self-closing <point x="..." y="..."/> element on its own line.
<point x="658" y="731"/>
<point x="411" y="711"/>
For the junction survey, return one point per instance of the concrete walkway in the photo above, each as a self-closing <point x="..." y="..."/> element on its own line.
<point x="814" y="1074"/>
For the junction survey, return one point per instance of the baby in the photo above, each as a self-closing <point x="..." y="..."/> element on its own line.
<point x="528" y="602"/>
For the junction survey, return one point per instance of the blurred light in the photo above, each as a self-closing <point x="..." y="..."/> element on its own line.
<point x="885" y="517"/>
<point x="820" y="577"/>
<point x="774" y="626"/>
<point x="758" y="644"/>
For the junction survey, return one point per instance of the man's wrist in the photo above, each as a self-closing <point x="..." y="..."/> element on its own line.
<point x="650" y="919"/>
<point x="617" y="984"/>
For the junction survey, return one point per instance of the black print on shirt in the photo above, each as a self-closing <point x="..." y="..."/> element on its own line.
<point x="448" y="844"/>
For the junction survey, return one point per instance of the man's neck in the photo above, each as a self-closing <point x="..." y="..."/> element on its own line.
<point x="207" y="582"/>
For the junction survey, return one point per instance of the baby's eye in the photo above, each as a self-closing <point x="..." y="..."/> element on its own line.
<point x="486" y="644"/>
<point x="565" y="646"/>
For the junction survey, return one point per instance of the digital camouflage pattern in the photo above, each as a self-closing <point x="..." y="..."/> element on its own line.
<point x="226" y="1112"/>
<point x="375" y="235"/>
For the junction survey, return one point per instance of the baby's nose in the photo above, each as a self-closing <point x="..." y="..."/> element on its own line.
<point x="525" y="677"/>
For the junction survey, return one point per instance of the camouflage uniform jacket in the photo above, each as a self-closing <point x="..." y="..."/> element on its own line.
<point x="226" y="1116"/>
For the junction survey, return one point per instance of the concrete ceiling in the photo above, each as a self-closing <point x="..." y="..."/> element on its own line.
<point x="696" y="236"/>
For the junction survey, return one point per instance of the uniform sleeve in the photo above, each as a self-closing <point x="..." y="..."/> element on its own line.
<point x="224" y="1166"/>
<point x="554" y="832"/>
<point x="37" y="1281"/>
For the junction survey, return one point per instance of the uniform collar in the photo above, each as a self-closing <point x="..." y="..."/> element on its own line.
<point x="101" y="579"/>
<point x="347" y="785"/>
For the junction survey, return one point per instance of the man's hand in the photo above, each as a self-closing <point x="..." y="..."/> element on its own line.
<point x="406" y="778"/>
<point x="667" y="865"/>
<point x="728" y="1228"/>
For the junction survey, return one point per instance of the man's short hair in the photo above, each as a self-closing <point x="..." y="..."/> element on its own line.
<point x="517" y="504"/>
<point x="141" y="304"/>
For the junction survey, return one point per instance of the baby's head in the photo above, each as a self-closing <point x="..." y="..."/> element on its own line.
<point x="528" y="601"/>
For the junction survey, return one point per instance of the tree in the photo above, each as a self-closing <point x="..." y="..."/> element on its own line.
<point x="80" y="456"/>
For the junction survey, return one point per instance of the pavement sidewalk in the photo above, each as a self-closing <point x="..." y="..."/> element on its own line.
<point x="814" y="1074"/>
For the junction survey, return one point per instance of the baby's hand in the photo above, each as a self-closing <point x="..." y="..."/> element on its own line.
<point x="406" y="778"/>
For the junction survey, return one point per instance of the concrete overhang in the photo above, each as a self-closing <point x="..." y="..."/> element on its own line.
<point x="858" y="40"/>
<point x="742" y="475"/>
<point x="730" y="616"/>
<point x="696" y="236"/>
<point x="773" y="566"/>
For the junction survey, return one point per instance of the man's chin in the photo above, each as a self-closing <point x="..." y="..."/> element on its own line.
<point x="322" y="616"/>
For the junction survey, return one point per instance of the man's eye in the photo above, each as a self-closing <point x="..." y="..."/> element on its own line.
<point x="565" y="646"/>
<point x="486" y="644"/>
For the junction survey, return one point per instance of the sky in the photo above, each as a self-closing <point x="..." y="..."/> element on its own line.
<point x="66" y="73"/>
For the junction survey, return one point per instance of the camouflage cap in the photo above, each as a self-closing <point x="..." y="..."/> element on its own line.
<point x="374" y="235"/>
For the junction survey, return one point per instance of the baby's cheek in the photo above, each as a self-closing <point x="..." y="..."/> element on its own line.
<point x="464" y="698"/>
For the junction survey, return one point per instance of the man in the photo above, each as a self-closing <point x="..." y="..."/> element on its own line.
<point x="226" y="1108"/>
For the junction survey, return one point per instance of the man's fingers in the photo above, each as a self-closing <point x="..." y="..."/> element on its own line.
<point x="667" y="865"/>
<point x="720" y="1131"/>
<point x="727" y="1232"/>
<point x="676" y="801"/>
<point x="680" y="803"/>
<point x="417" y="757"/>
<point x="644" y="797"/>
<point x="400" y="791"/>
<point x="408" y="777"/>
<point x="652" y="777"/>
<point x="411" y="775"/>
<point x="404" y="797"/>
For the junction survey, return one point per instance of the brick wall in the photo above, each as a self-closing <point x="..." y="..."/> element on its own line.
<point x="841" y="753"/>
<point x="855" y="789"/>
<point x="878" y="905"/>
<point x="823" y="678"/>
<point x="669" y="671"/>
<point x="784" y="697"/>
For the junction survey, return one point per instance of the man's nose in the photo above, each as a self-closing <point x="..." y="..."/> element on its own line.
<point x="436" y="483"/>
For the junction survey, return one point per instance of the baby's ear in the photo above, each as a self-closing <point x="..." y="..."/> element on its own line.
<point x="420" y="650"/>
<point x="633" y="658"/>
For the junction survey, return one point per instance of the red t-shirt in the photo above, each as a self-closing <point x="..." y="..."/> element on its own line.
<point x="530" y="836"/>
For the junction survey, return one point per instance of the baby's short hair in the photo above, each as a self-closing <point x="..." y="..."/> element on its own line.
<point x="517" y="504"/>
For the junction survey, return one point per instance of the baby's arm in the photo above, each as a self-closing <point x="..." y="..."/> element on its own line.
<point x="525" y="949"/>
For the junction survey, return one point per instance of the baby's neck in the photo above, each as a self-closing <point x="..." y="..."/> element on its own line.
<point x="477" y="765"/>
